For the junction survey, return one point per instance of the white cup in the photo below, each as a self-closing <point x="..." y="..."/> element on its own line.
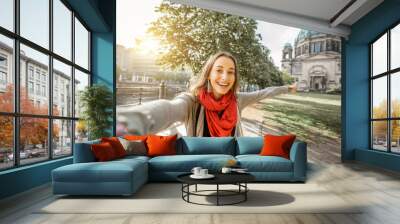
<point x="203" y="172"/>
<point x="226" y="170"/>
<point x="196" y="171"/>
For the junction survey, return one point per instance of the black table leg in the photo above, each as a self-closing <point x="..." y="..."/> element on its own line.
<point x="217" y="194"/>
<point x="243" y="189"/>
<point x="182" y="190"/>
<point x="188" y="190"/>
<point x="245" y="193"/>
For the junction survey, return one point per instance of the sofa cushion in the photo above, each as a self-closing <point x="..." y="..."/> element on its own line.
<point x="206" y="145"/>
<point x="93" y="172"/>
<point x="103" y="152"/>
<point x="83" y="152"/>
<point x="161" y="145"/>
<point x="132" y="158"/>
<point x="249" y="145"/>
<point x="112" y="171"/>
<point x="116" y="145"/>
<point x="257" y="163"/>
<point x="185" y="163"/>
<point x="277" y="145"/>
<point x="135" y="137"/>
<point x="134" y="147"/>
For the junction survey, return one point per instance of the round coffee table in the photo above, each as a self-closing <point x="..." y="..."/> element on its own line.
<point x="238" y="179"/>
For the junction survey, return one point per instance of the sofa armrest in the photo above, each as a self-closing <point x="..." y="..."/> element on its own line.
<point x="83" y="152"/>
<point x="298" y="155"/>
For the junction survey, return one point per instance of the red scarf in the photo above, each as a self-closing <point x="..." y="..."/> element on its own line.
<point x="219" y="126"/>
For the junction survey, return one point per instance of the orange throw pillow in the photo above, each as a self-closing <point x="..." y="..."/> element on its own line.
<point x="116" y="145"/>
<point x="161" y="145"/>
<point x="103" y="152"/>
<point x="135" y="137"/>
<point x="277" y="145"/>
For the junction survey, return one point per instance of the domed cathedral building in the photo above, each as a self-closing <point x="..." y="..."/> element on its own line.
<point x="314" y="61"/>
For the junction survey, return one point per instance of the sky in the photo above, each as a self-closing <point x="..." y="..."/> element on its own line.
<point x="275" y="36"/>
<point x="35" y="27"/>
<point x="132" y="21"/>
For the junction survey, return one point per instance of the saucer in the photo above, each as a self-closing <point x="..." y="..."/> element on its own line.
<point x="208" y="176"/>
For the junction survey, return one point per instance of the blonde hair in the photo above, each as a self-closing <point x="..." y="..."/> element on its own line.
<point x="205" y="73"/>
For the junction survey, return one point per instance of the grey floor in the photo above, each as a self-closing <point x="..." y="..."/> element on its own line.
<point x="378" y="189"/>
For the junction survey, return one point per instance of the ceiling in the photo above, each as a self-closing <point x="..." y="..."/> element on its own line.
<point x="327" y="16"/>
<point x="321" y="9"/>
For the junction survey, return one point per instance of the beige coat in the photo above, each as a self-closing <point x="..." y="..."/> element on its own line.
<point x="155" y="116"/>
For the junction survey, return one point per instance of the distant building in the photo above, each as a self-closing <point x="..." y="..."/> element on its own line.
<point x="34" y="78"/>
<point x="136" y="66"/>
<point x="140" y="66"/>
<point x="314" y="61"/>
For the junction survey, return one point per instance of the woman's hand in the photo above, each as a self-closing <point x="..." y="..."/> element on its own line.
<point x="293" y="88"/>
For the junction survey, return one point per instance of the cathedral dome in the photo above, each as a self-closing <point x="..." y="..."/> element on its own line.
<point x="304" y="34"/>
<point x="287" y="45"/>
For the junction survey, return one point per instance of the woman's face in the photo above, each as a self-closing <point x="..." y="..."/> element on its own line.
<point x="222" y="76"/>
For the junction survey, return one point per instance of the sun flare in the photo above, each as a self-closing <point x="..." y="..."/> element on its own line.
<point x="148" y="44"/>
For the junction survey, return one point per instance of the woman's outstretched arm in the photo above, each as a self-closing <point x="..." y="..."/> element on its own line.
<point x="247" y="98"/>
<point x="155" y="116"/>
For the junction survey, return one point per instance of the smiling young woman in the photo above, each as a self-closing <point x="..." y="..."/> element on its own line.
<point x="211" y="108"/>
<point x="219" y="73"/>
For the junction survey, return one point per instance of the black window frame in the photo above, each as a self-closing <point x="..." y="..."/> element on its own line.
<point x="16" y="115"/>
<point x="388" y="74"/>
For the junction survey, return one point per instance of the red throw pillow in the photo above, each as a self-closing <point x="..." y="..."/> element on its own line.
<point x="103" y="152"/>
<point x="116" y="145"/>
<point x="161" y="145"/>
<point x="277" y="145"/>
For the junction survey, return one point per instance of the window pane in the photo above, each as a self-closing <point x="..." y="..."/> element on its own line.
<point x="62" y="89"/>
<point x="6" y="74"/>
<point x="81" y="81"/>
<point x="379" y="55"/>
<point x="7" y="14"/>
<point x="81" y="131"/>
<point x="34" y="72"/>
<point x="379" y="135"/>
<point x="81" y="45"/>
<point x="6" y="142"/>
<point x="62" y="138"/>
<point x="395" y="94"/>
<point x="33" y="139"/>
<point x="62" y="29"/>
<point x="395" y="136"/>
<point x="395" y="47"/>
<point x="379" y="98"/>
<point x="35" y="21"/>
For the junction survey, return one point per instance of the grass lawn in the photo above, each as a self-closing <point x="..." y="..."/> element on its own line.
<point x="312" y="117"/>
<point x="308" y="115"/>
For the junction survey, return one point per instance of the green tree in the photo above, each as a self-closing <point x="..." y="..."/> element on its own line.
<point x="287" y="79"/>
<point x="189" y="35"/>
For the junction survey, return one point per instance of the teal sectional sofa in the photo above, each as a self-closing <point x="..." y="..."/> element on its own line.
<point x="125" y="176"/>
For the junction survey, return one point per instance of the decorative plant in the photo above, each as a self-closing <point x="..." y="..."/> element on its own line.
<point x="96" y="103"/>
<point x="81" y="129"/>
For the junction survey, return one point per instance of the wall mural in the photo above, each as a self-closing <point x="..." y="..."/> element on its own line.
<point x="195" y="72"/>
